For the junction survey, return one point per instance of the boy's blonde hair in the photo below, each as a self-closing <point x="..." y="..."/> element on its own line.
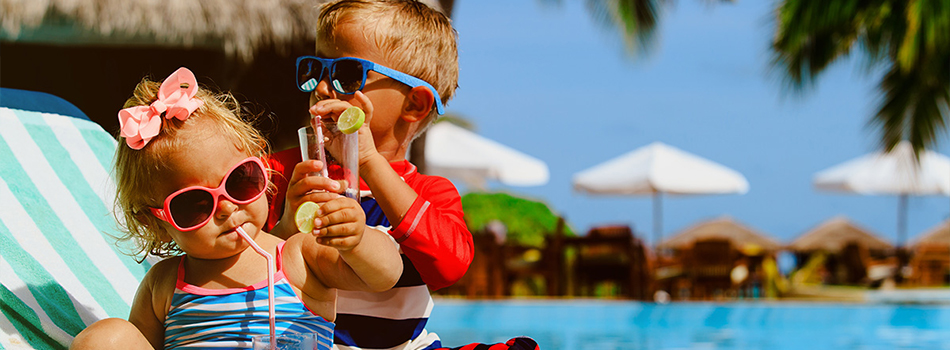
<point x="416" y="39"/>
<point x="136" y="170"/>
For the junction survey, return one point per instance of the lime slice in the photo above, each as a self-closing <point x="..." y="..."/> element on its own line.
<point x="304" y="216"/>
<point x="351" y="120"/>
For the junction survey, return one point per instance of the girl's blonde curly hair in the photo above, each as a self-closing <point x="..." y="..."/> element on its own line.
<point x="136" y="170"/>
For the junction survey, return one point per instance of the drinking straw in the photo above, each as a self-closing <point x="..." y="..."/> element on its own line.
<point x="317" y="124"/>
<point x="270" y="283"/>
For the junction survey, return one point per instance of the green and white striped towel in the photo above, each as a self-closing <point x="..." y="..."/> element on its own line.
<point x="59" y="266"/>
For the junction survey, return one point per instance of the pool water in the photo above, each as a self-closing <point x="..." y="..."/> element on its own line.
<point x="598" y="324"/>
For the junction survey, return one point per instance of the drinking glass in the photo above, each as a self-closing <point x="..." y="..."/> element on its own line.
<point x="344" y="166"/>
<point x="287" y="341"/>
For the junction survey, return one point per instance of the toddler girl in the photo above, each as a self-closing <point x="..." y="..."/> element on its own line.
<point x="188" y="175"/>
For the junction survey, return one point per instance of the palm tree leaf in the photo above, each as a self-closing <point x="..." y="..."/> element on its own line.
<point x="636" y="19"/>
<point x="914" y="104"/>
<point x="811" y="35"/>
<point x="912" y="37"/>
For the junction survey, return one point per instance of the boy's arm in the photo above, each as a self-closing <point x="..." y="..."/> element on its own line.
<point x="430" y="228"/>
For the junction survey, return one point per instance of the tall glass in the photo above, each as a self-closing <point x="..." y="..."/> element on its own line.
<point x="287" y="341"/>
<point x="338" y="151"/>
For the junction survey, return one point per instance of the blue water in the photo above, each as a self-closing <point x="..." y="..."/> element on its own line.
<point x="595" y="324"/>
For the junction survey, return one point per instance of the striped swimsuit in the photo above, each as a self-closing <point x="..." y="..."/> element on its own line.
<point x="436" y="249"/>
<point x="202" y="318"/>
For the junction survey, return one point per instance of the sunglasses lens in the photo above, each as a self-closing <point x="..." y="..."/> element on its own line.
<point x="308" y="74"/>
<point x="246" y="182"/>
<point x="188" y="209"/>
<point x="347" y="76"/>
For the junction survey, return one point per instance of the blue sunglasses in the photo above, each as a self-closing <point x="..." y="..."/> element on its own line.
<point x="348" y="75"/>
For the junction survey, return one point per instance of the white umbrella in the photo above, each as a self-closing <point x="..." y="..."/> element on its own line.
<point x="454" y="152"/>
<point x="894" y="173"/>
<point x="658" y="168"/>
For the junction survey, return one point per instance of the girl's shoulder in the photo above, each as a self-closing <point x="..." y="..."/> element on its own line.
<point x="163" y="274"/>
<point x="165" y="266"/>
<point x="159" y="284"/>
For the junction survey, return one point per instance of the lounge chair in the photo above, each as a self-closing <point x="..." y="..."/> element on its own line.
<point x="59" y="267"/>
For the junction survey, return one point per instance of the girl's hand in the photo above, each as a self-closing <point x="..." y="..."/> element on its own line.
<point x="303" y="187"/>
<point x="339" y="223"/>
<point x="332" y="108"/>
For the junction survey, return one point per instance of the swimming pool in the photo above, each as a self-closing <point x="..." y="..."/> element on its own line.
<point x="599" y="324"/>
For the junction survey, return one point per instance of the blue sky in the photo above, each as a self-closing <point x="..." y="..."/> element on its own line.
<point x="546" y="79"/>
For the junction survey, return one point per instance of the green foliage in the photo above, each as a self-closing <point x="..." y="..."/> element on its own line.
<point x="910" y="38"/>
<point x="635" y="19"/>
<point x="527" y="221"/>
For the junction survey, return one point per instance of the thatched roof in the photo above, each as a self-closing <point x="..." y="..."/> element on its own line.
<point x="938" y="235"/>
<point x="834" y="234"/>
<point x="239" y="27"/>
<point x="741" y="236"/>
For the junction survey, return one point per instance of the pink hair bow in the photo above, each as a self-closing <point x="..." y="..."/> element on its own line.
<point x="140" y="124"/>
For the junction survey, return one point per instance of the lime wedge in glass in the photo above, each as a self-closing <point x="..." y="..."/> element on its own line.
<point x="304" y="216"/>
<point x="351" y="120"/>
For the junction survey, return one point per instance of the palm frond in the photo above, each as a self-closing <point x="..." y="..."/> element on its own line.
<point x="810" y="36"/>
<point x="914" y="105"/>
<point x="636" y="20"/>
<point x="912" y="37"/>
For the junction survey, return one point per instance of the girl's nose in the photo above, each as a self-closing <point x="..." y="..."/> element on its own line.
<point x="225" y="209"/>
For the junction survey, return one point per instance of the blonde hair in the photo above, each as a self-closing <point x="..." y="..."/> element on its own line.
<point x="136" y="170"/>
<point x="415" y="39"/>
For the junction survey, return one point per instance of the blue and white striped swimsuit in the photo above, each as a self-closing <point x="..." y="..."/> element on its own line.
<point x="202" y="318"/>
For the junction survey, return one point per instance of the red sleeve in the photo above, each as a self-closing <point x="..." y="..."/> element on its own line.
<point x="433" y="234"/>
<point x="282" y="165"/>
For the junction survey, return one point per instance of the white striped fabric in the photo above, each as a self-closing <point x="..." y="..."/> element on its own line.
<point x="396" y="303"/>
<point x="59" y="266"/>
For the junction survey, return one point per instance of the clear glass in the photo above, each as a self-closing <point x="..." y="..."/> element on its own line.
<point x="341" y="154"/>
<point x="288" y="341"/>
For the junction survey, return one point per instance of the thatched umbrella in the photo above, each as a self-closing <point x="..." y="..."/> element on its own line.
<point x="931" y="252"/>
<point x="833" y="235"/>
<point x="938" y="235"/>
<point x="725" y="228"/>
<point x="239" y="27"/>
<point x="247" y="47"/>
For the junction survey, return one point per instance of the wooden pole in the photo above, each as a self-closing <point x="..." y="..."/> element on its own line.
<point x="657" y="221"/>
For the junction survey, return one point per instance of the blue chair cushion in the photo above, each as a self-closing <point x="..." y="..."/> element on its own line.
<point x="39" y="102"/>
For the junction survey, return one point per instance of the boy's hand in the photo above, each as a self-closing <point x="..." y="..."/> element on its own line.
<point x="332" y="108"/>
<point x="339" y="223"/>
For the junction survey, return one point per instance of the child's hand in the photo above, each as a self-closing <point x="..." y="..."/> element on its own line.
<point x="339" y="223"/>
<point x="332" y="108"/>
<point x="304" y="187"/>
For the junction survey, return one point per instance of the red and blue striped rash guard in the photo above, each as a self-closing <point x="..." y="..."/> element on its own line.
<point x="436" y="248"/>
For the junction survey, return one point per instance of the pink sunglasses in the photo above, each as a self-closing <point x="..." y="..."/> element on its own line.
<point x="192" y="207"/>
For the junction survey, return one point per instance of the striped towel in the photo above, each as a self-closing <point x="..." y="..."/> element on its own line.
<point x="59" y="266"/>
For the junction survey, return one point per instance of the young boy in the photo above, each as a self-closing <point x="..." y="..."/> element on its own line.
<point x="423" y="214"/>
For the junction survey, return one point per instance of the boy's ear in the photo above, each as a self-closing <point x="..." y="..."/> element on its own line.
<point x="418" y="104"/>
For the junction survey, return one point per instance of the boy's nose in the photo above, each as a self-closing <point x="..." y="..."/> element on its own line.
<point x="323" y="90"/>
